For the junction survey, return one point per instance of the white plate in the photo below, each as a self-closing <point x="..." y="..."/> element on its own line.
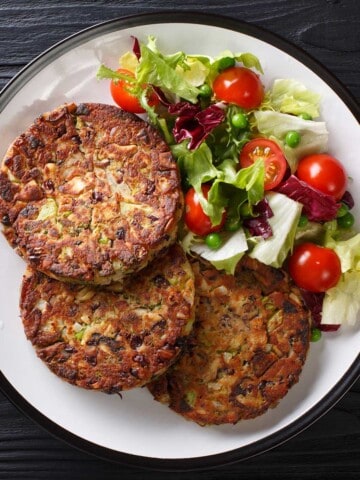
<point x="136" y="429"/>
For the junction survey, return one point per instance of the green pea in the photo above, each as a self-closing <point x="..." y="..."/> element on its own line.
<point x="303" y="221"/>
<point x="213" y="241"/>
<point x="315" y="334"/>
<point x="226" y="62"/>
<point x="292" y="138"/>
<point x="346" y="221"/>
<point x="232" y="224"/>
<point x="239" y="120"/>
<point x="305" y="116"/>
<point x="343" y="210"/>
<point x="205" y="91"/>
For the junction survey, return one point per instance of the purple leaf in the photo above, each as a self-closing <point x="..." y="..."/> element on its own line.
<point x="136" y="47"/>
<point x="263" y="208"/>
<point x="161" y="96"/>
<point x="184" y="109"/>
<point x="317" y="206"/>
<point x="193" y="123"/>
<point x="326" y="327"/>
<point x="314" y="302"/>
<point x="259" y="226"/>
<point x="347" y="198"/>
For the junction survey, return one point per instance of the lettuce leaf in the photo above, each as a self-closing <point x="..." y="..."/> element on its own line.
<point x="226" y="257"/>
<point x="195" y="72"/>
<point x="159" y="70"/>
<point x="342" y="303"/>
<point x="129" y="61"/>
<point x="197" y="167"/>
<point x="291" y="96"/>
<point x="275" y="125"/>
<point x="348" y="251"/>
<point x="286" y="213"/>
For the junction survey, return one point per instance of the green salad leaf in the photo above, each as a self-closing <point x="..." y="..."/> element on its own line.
<point x="275" y="125"/>
<point x="342" y="303"/>
<point x="160" y="70"/>
<point x="106" y="72"/>
<point x="197" y="166"/>
<point x="224" y="258"/>
<point x="291" y="96"/>
<point x="274" y="250"/>
<point x="348" y="251"/>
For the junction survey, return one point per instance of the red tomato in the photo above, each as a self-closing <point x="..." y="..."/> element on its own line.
<point x="323" y="172"/>
<point x="275" y="162"/>
<point x="122" y="96"/>
<point x="196" y="220"/>
<point x="239" y="85"/>
<point x="314" y="268"/>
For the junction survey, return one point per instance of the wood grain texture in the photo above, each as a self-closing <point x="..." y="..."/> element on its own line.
<point x="328" y="450"/>
<point x="326" y="29"/>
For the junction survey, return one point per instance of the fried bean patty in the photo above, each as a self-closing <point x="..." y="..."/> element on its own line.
<point x="89" y="193"/>
<point x="250" y="341"/>
<point x="111" y="340"/>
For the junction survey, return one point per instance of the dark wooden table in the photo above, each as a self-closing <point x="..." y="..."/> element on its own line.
<point x="328" y="30"/>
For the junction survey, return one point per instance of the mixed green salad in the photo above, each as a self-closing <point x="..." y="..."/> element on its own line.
<point x="256" y="171"/>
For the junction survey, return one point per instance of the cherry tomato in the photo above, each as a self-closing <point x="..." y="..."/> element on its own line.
<point x="314" y="268"/>
<point x="275" y="162"/>
<point x="239" y="85"/>
<point x="323" y="172"/>
<point x="122" y="96"/>
<point x="196" y="220"/>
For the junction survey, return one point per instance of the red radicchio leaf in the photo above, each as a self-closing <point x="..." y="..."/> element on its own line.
<point x="314" y="302"/>
<point x="326" y="327"/>
<point x="161" y="96"/>
<point x="259" y="225"/>
<point x="194" y="123"/>
<point x="317" y="206"/>
<point x="136" y="47"/>
<point x="184" y="109"/>
<point x="347" y="198"/>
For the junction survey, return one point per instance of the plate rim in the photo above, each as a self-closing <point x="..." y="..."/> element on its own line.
<point x="343" y="384"/>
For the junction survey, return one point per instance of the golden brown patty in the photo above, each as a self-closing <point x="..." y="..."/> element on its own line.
<point x="111" y="340"/>
<point x="251" y="337"/>
<point x="89" y="193"/>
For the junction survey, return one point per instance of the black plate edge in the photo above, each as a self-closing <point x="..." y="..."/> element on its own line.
<point x="342" y="386"/>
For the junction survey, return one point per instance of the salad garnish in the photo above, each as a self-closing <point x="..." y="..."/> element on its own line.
<point x="256" y="170"/>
